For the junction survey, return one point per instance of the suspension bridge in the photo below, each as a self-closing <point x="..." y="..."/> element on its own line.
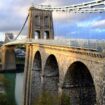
<point x="96" y="6"/>
<point x="55" y="67"/>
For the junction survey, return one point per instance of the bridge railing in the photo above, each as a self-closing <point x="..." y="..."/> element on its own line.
<point x="98" y="45"/>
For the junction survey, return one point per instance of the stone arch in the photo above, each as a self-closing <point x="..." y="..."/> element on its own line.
<point x="36" y="77"/>
<point x="51" y="76"/>
<point x="46" y="35"/>
<point x="37" y="34"/>
<point x="78" y="86"/>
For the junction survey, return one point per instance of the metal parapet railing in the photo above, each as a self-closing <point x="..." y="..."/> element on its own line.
<point x="74" y="43"/>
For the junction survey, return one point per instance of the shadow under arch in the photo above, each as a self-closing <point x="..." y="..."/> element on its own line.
<point x="51" y="76"/>
<point x="36" y="77"/>
<point x="78" y="87"/>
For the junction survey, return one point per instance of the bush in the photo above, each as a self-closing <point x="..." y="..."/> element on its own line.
<point x="4" y="81"/>
<point x="4" y="99"/>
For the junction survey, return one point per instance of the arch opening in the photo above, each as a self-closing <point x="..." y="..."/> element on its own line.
<point x="37" y="34"/>
<point x="36" y="78"/>
<point x="78" y="86"/>
<point x="51" y="76"/>
<point x="46" y="35"/>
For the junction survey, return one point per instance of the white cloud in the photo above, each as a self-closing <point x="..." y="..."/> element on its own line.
<point x="13" y="13"/>
<point x="1" y="5"/>
<point x="50" y="2"/>
<point x="99" y="30"/>
<point x="59" y="16"/>
<point x="2" y="37"/>
<point x="84" y="24"/>
<point x="99" y="24"/>
<point x="89" y="22"/>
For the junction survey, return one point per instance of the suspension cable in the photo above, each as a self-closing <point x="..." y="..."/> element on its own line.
<point x="82" y="7"/>
<point x="22" y="28"/>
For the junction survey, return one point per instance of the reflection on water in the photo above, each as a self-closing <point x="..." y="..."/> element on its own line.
<point x="19" y="88"/>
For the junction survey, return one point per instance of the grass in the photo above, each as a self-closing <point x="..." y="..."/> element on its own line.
<point x="51" y="99"/>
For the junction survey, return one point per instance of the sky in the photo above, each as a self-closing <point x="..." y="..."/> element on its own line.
<point x="66" y="25"/>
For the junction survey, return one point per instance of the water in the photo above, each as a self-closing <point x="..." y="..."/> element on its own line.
<point x="14" y="87"/>
<point x="19" y="88"/>
<point x="8" y="79"/>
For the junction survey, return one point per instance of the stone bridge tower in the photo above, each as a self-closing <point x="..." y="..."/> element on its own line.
<point x="40" y="24"/>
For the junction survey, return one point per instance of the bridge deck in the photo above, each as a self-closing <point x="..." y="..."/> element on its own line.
<point x="65" y="44"/>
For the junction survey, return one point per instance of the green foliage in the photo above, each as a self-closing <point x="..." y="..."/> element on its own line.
<point x="4" y="81"/>
<point x="51" y="99"/>
<point x="46" y="99"/>
<point x="65" y="99"/>
<point x="3" y="96"/>
<point x="20" y="60"/>
<point x="4" y="100"/>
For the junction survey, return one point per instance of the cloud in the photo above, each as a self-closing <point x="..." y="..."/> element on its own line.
<point x="94" y="23"/>
<point x="14" y="12"/>
<point x="99" y="30"/>
<point x="51" y="2"/>
<point x="99" y="24"/>
<point x="63" y="2"/>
